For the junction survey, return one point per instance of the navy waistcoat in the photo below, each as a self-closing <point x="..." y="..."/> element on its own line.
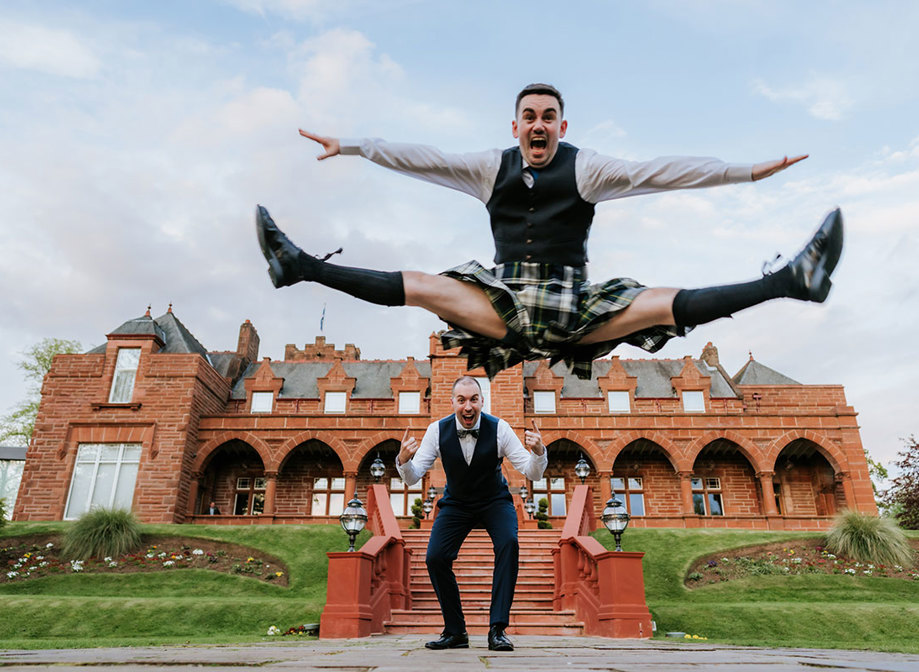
<point x="548" y="223"/>
<point x="481" y="480"/>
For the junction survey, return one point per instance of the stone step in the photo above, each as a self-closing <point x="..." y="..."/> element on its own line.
<point x="484" y="602"/>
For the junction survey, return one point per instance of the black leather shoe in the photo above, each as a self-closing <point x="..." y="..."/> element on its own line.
<point x="448" y="641"/>
<point x="497" y="640"/>
<point x="811" y="269"/>
<point x="280" y="253"/>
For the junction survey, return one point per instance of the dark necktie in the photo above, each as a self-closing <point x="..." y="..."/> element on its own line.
<point x="474" y="433"/>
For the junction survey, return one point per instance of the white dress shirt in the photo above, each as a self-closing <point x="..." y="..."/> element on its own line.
<point x="599" y="178"/>
<point x="527" y="463"/>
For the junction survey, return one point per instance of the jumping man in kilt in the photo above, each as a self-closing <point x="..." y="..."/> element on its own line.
<point x="536" y="302"/>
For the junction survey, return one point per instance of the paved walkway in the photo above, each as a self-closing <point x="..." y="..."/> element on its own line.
<point x="406" y="653"/>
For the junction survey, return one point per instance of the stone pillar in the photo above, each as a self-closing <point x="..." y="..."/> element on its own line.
<point x="845" y="478"/>
<point x="686" y="492"/>
<point x="271" y="486"/>
<point x="606" y="490"/>
<point x="765" y="482"/>
<point x="350" y="485"/>
<point x="193" y="486"/>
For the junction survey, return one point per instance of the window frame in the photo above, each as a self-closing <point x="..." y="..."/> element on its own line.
<point x="332" y="409"/>
<point x="709" y="490"/>
<point x="628" y="489"/>
<point x="545" y="395"/>
<point x="621" y="408"/>
<point x="120" y="374"/>
<point x="93" y="478"/>
<point x="407" y="408"/>
<point x="694" y="403"/>
<point x="262" y="395"/>
<point x="329" y="491"/>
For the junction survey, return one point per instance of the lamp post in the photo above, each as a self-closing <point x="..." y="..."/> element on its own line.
<point x="524" y="492"/>
<point x="353" y="519"/>
<point x="432" y="493"/>
<point x="428" y="506"/>
<point x="377" y="469"/>
<point x="582" y="469"/>
<point x="530" y="507"/>
<point x="616" y="519"/>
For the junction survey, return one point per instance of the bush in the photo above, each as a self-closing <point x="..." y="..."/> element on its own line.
<point x="869" y="539"/>
<point x="100" y="533"/>
<point x="2" y="512"/>
<point x="417" y="513"/>
<point x="542" y="515"/>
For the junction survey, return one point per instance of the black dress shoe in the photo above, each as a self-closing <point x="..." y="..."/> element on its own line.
<point x="448" y="641"/>
<point x="280" y="253"/>
<point x="811" y="269"/>
<point x="498" y="641"/>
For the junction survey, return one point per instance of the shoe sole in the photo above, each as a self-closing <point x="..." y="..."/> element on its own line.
<point x="444" y="648"/>
<point x="274" y="266"/>
<point x="820" y="280"/>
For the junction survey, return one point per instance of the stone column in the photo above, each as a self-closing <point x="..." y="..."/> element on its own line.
<point x="271" y="486"/>
<point x="845" y="478"/>
<point x="686" y="492"/>
<point x="350" y="485"/>
<point x="765" y="482"/>
<point x="606" y="490"/>
<point x="193" y="486"/>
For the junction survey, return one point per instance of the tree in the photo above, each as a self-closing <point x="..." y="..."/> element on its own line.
<point x="16" y="426"/>
<point x="902" y="497"/>
<point x="878" y="474"/>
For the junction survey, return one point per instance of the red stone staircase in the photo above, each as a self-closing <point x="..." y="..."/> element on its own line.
<point x="532" y="612"/>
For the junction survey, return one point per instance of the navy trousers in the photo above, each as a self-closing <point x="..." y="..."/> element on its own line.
<point x="451" y="527"/>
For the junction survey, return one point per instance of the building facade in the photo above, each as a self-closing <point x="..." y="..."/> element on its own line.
<point x="153" y="421"/>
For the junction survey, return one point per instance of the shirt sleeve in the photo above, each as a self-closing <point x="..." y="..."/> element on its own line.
<point x="527" y="463"/>
<point x="429" y="450"/>
<point x="473" y="173"/>
<point x="604" y="178"/>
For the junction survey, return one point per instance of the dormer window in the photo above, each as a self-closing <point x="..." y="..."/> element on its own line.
<point x="693" y="401"/>
<point x="262" y="402"/>
<point x="410" y="402"/>
<point x="619" y="401"/>
<point x="335" y="402"/>
<point x="125" y="372"/>
<point x="544" y="402"/>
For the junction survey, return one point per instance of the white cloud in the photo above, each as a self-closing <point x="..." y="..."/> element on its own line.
<point x="823" y="97"/>
<point x="49" y="50"/>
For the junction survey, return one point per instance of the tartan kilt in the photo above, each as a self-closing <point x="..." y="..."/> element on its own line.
<point x="548" y="308"/>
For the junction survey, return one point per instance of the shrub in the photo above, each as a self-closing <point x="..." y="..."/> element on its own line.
<point x="100" y="533"/>
<point x="869" y="539"/>
<point x="2" y="512"/>
<point x="417" y="513"/>
<point x="542" y="515"/>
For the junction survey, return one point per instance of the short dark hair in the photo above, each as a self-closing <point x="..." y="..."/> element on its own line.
<point x="465" y="379"/>
<point x="540" y="89"/>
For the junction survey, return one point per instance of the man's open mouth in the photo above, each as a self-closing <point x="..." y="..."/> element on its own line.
<point x="539" y="143"/>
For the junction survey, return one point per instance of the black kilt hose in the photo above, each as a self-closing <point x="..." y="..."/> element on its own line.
<point x="550" y="307"/>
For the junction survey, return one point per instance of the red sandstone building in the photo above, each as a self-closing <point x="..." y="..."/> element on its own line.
<point x="153" y="421"/>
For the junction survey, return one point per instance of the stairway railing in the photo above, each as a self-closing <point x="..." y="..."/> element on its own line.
<point x="606" y="589"/>
<point x="364" y="586"/>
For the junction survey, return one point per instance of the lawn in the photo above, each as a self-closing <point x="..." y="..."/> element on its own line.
<point x="814" y="610"/>
<point x="203" y="606"/>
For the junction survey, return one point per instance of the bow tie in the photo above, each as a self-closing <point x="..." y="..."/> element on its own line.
<point x="474" y="433"/>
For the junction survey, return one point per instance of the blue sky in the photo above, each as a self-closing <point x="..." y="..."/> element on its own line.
<point x="137" y="138"/>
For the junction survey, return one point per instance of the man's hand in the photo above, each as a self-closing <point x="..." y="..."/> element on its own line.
<point x="330" y="145"/>
<point x="769" y="168"/>
<point x="409" y="446"/>
<point x="533" y="440"/>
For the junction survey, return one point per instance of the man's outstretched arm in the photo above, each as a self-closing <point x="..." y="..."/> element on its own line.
<point x="769" y="168"/>
<point x="472" y="173"/>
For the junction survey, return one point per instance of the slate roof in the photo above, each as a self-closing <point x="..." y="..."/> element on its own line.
<point x="372" y="378"/>
<point x="168" y="328"/>
<point x="653" y="378"/>
<point x="754" y="373"/>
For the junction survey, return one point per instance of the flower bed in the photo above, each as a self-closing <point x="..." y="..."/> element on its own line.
<point x="807" y="556"/>
<point x="24" y="558"/>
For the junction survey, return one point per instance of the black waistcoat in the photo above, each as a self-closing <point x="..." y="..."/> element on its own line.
<point x="481" y="480"/>
<point x="548" y="223"/>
